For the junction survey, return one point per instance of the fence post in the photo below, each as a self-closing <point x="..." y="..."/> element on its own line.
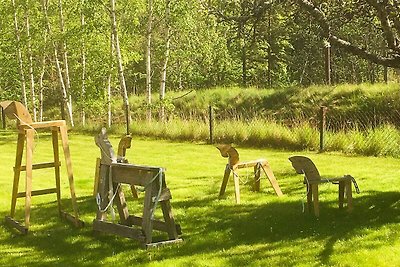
<point x="211" y="119"/>
<point x="3" y="118"/>
<point x="322" y="125"/>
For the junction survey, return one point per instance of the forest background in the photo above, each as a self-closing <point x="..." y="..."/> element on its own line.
<point x="83" y="60"/>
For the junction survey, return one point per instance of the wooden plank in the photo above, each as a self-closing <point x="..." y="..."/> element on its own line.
<point x="157" y="224"/>
<point x="227" y="173"/>
<point x="13" y="223"/>
<point x="271" y="177"/>
<point x="123" y="173"/>
<point x="147" y="224"/>
<point x="17" y="171"/>
<point x="42" y="165"/>
<point x="169" y="219"/>
<point x="76" y="221"/>
<point x="56" y="157"/>
<point x="38" y="192"/>
<point x="314" y="189"/>
<point x="96" y="177"/>
<point x="118" y="229"/>
<point x="163" y="243"/>
<point x="237" y="186"/>
<point x="44" y="124"/>
<point x="30" y="134"/>
<point x="257" y="174"/>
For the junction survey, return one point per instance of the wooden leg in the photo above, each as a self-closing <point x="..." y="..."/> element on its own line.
<point x="227" y="173"/>
<point x="309" y="198"/>
<point x="314" y="189"/>
<point x="134" y="192"/>
<point x="96" y="177"/>
<point x="257" y="173"/>
<point x="237" y="186"/>
<point x="169" y="219"/>
<point x="17" y="172"/>
<point x="349" y="196"/>
<point x="30" y="134"/>
<point x="121" y="205"/>
<point x="67" y="155"/>
<point x="147" y="226"/>
<point x="341" y="193"/>
<point x="271" y="177"/>
<point x="54" y="135"/>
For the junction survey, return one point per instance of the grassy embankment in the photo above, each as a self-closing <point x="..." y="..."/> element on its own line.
<point x="262" y="231"/>
<point x="361" y="119"/>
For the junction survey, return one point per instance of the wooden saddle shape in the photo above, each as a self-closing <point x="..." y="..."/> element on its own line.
<point x="312" y="180"/>
<point x="26" y="132"/>
<point x="233" y="165"/>
<point x="113" y="174"/>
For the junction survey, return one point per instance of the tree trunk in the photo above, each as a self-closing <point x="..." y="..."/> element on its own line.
<point x="19" y="55"/>
<point x="328" y="79"/>
<point x="65" y="61"/>
<point x="32" y="79"/>
<point x="83" y="59"/>
<point x="119" y="64"/>
<point x="164" y="68"/>
<point x="112" y="52"/>
<point x="148" y="58"/>
<point x="58" y="67"/>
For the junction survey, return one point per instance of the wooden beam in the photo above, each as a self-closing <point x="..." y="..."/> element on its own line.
<point x="42" y="165"/>
<point x="38" y="192"/>
<point x="71" y="218"/>
<point x="157" y="225"/>
<point x="118" y="229"/>
<point x="13" y="223"/>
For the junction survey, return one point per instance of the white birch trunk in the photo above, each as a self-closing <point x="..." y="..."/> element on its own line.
<point x="58" y="67"/>
<point x="31" y="75"/>
<point x="66" y="69"/>
<point x="19" y="55"/>
<point x="120" y="64"/>
<point x="148" y="58"/>
<point x="83" y="58"/>
<point x="164" y="67"/>
<point x="112" y="52"/>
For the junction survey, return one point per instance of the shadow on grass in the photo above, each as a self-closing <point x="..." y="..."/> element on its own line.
<point x="209" y="226"/>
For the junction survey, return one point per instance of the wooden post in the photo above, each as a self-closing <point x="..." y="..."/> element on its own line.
<point x="322" y="124"/>
<point x="211" y="115"/>
<point x="3" y="118"/>
<point x="385" y="74"/>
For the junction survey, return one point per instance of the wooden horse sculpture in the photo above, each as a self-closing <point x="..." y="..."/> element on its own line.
<point x="312" y="180"/>
<point x="26" y="131"/>
<point x="234" y="165"/>
<point x="152" y="179"/>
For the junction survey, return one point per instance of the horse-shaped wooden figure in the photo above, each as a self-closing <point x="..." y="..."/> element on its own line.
<point x="114" y="173"/>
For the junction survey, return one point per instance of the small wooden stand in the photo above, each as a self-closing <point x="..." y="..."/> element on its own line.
<point x="112" y="175"/>
<point x="26" y="131"/>
<point x="312" y="180"/>
<point x="234" y="165"/>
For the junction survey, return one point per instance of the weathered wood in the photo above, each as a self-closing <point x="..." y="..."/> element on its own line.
<point x="27" y="128"/>
<point x="234" y="165"/>
<point x="118" y="229"/>
<point x="43" y="165"/>
<point x="157" y="224"/>
<point x="13" y="223"/>
<point x="96" y="177"/>
<point x="76" y="221"/>
<point x="312" y="179"/>
<point x="38" y="192"/>
<point x="163" y="243"/>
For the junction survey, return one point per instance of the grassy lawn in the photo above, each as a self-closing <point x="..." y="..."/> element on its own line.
<point x="262" y="231"/>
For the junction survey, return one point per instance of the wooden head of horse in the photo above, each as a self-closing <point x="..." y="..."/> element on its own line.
<point x="16" y="110"/>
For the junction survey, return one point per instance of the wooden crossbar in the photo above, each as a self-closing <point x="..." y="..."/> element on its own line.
<point x="43" y="165"/>
<point x="38" y="192"/>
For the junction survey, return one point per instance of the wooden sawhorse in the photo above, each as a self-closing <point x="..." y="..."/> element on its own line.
<point x="234" y="165"/>
<point x="26" y="132"/>
<point x="152" y="179"/>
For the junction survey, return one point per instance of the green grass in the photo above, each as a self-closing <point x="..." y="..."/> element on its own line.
<point x="262" y="231"/>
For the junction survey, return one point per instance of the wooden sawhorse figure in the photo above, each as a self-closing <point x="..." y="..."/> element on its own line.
<point x="234" y="165"/>
<point x="26" y="131"/>
<point x="112" y="175"/>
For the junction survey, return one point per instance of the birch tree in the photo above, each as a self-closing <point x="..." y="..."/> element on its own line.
<point x="148" y="56"/>
<point x="120" y="63"/>
<point x="166" y="57"/>
<point x="83" y="61"/>
<point x="19" y="54"/>
<point x="31" y="75"/>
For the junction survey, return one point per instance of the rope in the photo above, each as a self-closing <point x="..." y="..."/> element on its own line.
<point x="98" y="200"/>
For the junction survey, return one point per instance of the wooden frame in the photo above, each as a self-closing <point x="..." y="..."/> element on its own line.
<point x="26" y="132"/>
<point x="111" y="175"/>
<point x="312" y="180"/>
<point x="234" y="165"/>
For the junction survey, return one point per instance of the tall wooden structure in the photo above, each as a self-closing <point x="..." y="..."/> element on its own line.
<point x="26" y="132"/>
<point x="234" y="165"/>
<point x="152" y="179"/>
